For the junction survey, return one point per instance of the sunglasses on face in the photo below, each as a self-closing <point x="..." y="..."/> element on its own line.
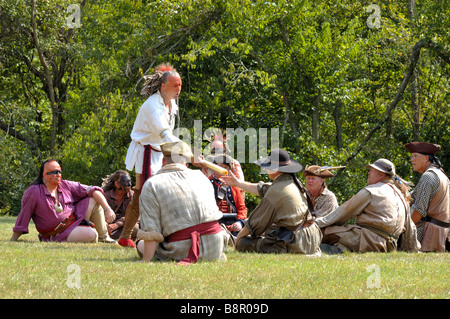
<point x="55" y="172"/>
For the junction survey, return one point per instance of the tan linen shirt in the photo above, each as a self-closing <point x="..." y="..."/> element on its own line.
<point x="283" y="205"/>
<point x="434" y="236"/>
<point x="174" y="199"/>
<point x="378" y="209"/>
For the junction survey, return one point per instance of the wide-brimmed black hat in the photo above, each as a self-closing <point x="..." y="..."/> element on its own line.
<point x="280" y="161"/>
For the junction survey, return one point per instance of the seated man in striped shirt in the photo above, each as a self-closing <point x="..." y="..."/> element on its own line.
<point x="178" y="212"/>
<point x="431" y="208"/>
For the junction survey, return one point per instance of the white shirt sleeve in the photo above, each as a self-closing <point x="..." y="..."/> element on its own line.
<point x="153" y="124"/>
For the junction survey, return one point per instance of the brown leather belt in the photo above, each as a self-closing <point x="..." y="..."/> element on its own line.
<point x="61" y="227"/>
<point x="436" y="221"/>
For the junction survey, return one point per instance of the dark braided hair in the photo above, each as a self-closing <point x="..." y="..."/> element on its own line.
<point x="434" y="160"/>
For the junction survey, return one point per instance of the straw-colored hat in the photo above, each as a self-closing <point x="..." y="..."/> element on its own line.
<point x="316" y="170"/>
<point x="179" y="148"/>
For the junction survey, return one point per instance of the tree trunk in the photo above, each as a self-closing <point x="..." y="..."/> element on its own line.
<point x="48" y="79"/>
<point x="424" y="43"/>
<point x="315" y="120"/>
<point x="337" y="124"/>
<point x="415" y="104"/>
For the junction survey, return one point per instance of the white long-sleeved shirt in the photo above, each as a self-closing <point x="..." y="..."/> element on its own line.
<point x="153" y="126"/>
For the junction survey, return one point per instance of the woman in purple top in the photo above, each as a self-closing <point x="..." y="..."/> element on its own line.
<point x="58" y="207"/>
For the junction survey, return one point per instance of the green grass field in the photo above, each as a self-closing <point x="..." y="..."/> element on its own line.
<point x="32" y="270"/>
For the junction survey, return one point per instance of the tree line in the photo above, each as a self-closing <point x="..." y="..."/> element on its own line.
<point x="345" y="83"/>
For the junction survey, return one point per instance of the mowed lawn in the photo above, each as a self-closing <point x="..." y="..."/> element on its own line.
<point x="30" y="269"/>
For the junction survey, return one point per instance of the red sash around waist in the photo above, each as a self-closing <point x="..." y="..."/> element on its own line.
<point x="146" y="165"/>
<point x="194" y="233"/>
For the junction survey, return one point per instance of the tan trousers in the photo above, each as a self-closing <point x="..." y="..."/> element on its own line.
<point x="97" y="216"/>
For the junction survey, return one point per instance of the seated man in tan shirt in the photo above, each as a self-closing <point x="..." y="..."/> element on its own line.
<point x="282" y="222"/>
<point x="381" y="215"/>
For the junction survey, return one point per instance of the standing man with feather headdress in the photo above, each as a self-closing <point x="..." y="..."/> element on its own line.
<point x="153" y="126"/>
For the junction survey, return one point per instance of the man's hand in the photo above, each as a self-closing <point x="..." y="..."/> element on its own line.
<point x="198" y="161"/>
<point x="230" y="180"/>
<point x="110" y="216"/>
<point x="112" y="227"/>
<point x="416" y="216"/>
<point x="235" y="227"/>
<point x="15" y="236"/>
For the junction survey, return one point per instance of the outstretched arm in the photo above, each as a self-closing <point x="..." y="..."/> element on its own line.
<point x="350" y="209"/>
<point x="231" y="180"/>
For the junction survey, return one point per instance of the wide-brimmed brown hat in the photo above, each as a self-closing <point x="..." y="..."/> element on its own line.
<point x="423" y="147"/>
<point x="316" y="170"/>
<point x="383" y="165"/>
<point x="280" y="161"/>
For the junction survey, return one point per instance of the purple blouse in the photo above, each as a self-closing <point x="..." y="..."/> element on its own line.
<point x="38" y="204"/>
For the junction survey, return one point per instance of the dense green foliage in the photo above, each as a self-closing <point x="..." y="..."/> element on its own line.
<point x="320" y="71"/>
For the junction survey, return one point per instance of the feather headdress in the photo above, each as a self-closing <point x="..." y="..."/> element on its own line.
<point x="153" y="81"/>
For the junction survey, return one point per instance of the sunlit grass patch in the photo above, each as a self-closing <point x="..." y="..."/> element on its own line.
<point x="31" y="269"/>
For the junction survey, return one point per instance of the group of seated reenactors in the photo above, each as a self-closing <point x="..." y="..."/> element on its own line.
<point x="174" y="212"/>
<point x="188" y="215"/>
